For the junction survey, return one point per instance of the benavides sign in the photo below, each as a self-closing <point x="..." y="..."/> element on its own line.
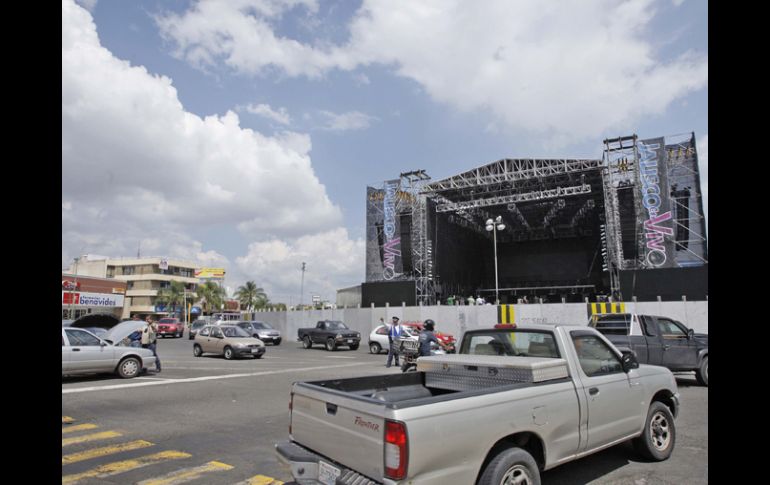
<point x="91" y="299"/>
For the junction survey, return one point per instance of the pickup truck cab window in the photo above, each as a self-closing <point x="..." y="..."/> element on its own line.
<point x="619" y="324"/>
<point x="595" y="357"/>
<point x="670" y="329"/>
<point x="511" y="342"/>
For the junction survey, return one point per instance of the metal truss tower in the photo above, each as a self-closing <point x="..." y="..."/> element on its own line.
<point x="422" y="245"/>
<point x="619" y="173"/>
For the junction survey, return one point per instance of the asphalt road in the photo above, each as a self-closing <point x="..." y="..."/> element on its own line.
<point x="207" y="420"/>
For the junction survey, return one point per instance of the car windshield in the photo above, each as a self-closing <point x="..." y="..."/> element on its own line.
<point x="527" y="343"/>
<point x="333" y="325"/>
<point x="235" y="332"/>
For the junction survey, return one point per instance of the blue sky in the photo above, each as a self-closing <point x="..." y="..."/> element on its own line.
<point x="243" y="133"/>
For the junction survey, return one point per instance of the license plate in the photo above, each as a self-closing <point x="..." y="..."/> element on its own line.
<point x="254" y="351"/>
<point x="327" y="474"/>
<point x="350" y="341"/>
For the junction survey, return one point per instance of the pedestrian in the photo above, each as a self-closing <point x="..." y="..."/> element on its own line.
<point x="149" y="340"/>
<point x="394" y="334"/>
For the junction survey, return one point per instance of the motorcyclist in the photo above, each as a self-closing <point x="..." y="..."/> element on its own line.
<point x="427" y="336"/>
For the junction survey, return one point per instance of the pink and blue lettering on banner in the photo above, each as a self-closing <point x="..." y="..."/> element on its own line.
<point x="657" y="227"/>
<point x="383" y="237"/>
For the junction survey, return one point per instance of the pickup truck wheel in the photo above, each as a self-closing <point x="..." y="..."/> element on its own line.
<point x="353" y="347"/>
<point x="509" y="467"/>
<point x="330" y="345"/>
<point x="657" y="441"/>
<point x="702" y="373"/>
<point x="306" y="342"/>
<point x="374" y="348"/>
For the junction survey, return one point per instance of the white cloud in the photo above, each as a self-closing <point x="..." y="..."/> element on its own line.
<point x="88" y="4"/>
<point x="352" y="120"/>
<point x="281" y="116"/>
<point x="569" y="70"/>
<point x="702" y="146"/>
<point x="332" y="260"/>
<point x="137" y="168"/>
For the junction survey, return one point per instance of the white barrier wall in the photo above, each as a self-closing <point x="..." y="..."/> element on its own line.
<point x="457" y="319"/>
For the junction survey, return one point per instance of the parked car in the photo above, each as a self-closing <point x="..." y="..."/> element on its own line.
<point x="170" y="326"/>
<point x="378" y="339"/>
<point x="228" y="340"/>
<point x="331" y="333"/>
<point x="261" y="330"/>
<point x="196" y="326"/>
<point x="657" y="341"/>
<point x="84" y="353"/>
<point x="486" y="419"/>
<point x="445" y="338"/>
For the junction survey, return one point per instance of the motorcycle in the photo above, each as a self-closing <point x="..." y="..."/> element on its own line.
<point x="409" y="351"/>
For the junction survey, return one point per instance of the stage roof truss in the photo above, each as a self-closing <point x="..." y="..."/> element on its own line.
<point x="512" y="170"/>
<point x="508" y="199"/>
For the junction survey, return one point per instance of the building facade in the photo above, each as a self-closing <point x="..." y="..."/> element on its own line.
<point x="142" y="277"/>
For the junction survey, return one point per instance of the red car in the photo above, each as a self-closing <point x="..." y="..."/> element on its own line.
<point x="170" y="326"/>
<point x="445" y="338"/>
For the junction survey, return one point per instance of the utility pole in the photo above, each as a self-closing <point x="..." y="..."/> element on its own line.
<point x="302" y="286"/>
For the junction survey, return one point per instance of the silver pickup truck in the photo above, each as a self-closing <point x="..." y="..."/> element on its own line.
<point x="515" y="401"/>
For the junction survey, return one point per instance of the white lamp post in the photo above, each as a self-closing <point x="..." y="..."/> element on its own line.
<point x="494" y="226"/>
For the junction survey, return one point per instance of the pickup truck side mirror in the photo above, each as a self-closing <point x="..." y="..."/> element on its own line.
<point x="628" y="361"/>
<point x="690" y="334"/>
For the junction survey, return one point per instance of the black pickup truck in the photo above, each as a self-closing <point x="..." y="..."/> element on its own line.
<point x="331" y="333"/>
<point x="657" y="341"/>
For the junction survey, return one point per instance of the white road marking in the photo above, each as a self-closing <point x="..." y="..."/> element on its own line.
<point x="200" y="379"/>
<point x="338" y="357"/>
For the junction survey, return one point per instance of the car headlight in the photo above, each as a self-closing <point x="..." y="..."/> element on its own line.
<point x="240" y="345"/>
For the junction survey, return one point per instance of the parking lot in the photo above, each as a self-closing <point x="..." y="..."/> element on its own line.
<point x="209" y="420"/>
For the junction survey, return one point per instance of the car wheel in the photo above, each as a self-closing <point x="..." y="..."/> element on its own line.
<point x="129" y="367"/>
<point x="702" y="372"/>
<point x="330" y="345"/>
<point x="278" y="342"/>
<point x="306" y="342"/>
<point x="657" y="440"/>
<point x="197" y="350"/>
<point x="354" y="347"/>
<point x="228" y="353"/>
<point x="513" y="465"/>
<point x="374" y="348"/>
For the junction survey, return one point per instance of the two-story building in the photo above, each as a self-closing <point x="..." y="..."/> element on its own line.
<point x="143" y="278"/>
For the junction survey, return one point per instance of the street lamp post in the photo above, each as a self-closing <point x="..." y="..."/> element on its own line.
<point x="494" y="226"/>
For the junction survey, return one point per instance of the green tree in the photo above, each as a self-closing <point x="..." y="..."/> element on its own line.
<point x="250" y="296"/>
<point x="172" y="295"/>
<point x="212" y="295"/>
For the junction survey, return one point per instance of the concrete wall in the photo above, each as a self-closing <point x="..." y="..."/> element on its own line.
<point x="457" y="319"/>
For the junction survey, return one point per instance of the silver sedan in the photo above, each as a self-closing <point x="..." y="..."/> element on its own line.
<point x="84" y="353"/>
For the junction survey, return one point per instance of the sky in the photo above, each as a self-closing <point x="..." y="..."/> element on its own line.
<point x="243" y="133"/>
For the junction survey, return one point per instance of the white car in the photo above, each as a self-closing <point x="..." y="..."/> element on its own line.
<point x="378" y="339"/>
<point x="84" y="353"/>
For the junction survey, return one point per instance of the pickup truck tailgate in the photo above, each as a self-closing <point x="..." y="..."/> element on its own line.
<point x="347" y="431"/>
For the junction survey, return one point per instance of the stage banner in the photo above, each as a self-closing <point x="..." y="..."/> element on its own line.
<point x="656" y="225"/>
<point x="383" y="232"/>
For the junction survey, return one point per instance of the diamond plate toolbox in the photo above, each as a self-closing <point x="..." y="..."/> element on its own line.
<point x="471" y="372"/>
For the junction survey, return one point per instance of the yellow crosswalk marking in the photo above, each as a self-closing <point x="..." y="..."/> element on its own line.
<point x="90" y="437"/>
<point x="261" y="480"/>
<point x="186" y="474"/>
<point x="110" y="469"/>
<point x="66" y="420"/>
<point x="104" y="451"/>
<point x="79" y="427"/>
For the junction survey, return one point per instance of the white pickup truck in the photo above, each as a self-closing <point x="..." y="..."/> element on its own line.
<point x="515" y="401"/>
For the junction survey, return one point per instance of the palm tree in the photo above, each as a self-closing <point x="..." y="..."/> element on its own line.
<point x="212" y="294"/>
<point x="172" y="295"/>
<point x="251" y="296"/>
